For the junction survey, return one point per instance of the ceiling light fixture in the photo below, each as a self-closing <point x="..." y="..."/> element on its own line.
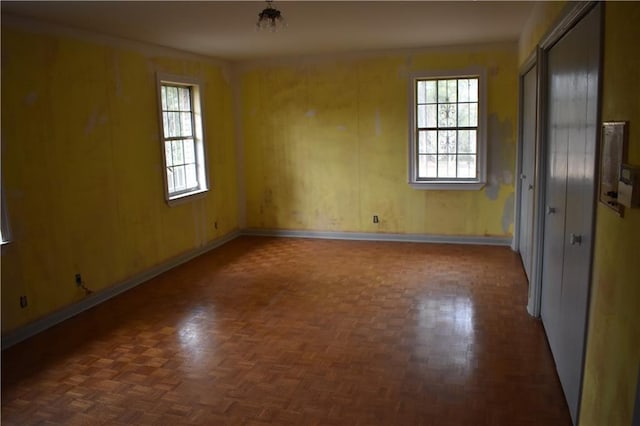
<point x="270" y="19"/>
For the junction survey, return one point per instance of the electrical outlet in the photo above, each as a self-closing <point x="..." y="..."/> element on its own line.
<point x="23" y="301"/>
<point x="78" y="280"/>
<point x="375" y="219"/>
<point x="215" y="225"/>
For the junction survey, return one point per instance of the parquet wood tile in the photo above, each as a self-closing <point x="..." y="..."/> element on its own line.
<point x="295" y="331"/>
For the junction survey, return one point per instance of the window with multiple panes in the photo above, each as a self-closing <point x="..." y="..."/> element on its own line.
<point x="183" y="140"/>
<point x="446" y="130"/>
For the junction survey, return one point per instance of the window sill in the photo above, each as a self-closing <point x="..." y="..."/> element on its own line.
<point x="184" y="198"/>
<point x="448" y="186"/>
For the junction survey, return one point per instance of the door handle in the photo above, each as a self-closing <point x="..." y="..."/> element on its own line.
<point x="530" y="187"/>
<point x="523" y="176"/>
<point x="575" y="239"/>
<point x="551" y="210"/>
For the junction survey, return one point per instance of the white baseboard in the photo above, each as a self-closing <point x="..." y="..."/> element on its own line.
<point x="54" y="318"/>
<point x="89" y="302"/>
<point x="373" y="236"/>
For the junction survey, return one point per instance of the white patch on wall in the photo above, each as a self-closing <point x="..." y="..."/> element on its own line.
<point x="342" y="128"/>
<point x="311" y="113"/>
<point x="507" y="177"/>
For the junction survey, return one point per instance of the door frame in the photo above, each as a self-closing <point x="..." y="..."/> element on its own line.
<point x="524" y="69"/>
<point x="528" y="65"/>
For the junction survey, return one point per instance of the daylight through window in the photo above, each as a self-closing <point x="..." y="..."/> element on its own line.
<point x="446" y="130"/>
<point x="182" y="140"/>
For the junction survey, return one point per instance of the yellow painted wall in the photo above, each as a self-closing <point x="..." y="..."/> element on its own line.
<point x="613" y="343"/>
<point x="543" y="15"/>
<point x="613" y="339"/>
<point x="82" y="167"/>
<point x="326" y="145"/>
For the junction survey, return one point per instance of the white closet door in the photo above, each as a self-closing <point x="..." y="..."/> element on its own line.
<point x="529" y="121"/>
<point x="573" y="73"/>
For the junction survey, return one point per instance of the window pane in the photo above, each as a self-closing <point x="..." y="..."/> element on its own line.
<point x="467" y="141"/>
<point x="421" y="91"/>
<point x="167" y="154"/>
<point x="165" y="124"/>
<point x="473" y="144"/>
<point x="422" y="116"/>
<point x="422" y="166"/>
<point x="432" y="141"/>
<point x="473" y="115"/>
<point x="192" y="180"/>
<point x="170" y="183"/>
<point x="179" y="178"/>
<point x="447" y="142"/>
<point x="452" y="90"/>
<point x="185" y="124"/>
<point x="178" y="157"/>
<point x="163" y="92"/>
<point x="432" y="113"/>
<point x="467" y="166"/>
<point x="473" y="90"/>
<point x="463" y="115"/>
<point x="446" y="166"/>
<point x="172" y="98"/>
<point x="189" y="151"/>
<point x="185" y="99"/>
<point x="422" y="142"/>
<point x="442" y="91"/>
<point x="463" y="90"/>
<point x="174" y="124"/>
<point x="446" y="115"/>
<point x="432" y="166"/>
<point x="427" y="166"/>
<point x="431" y="92"/>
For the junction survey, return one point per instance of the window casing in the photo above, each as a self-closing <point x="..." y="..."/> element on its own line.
<point x="447" y="131"/>
<point x="183" y="144"/>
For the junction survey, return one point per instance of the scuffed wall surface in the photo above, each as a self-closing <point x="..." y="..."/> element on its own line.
<point x="82" y="168"/>
<point x="326" y="146"/>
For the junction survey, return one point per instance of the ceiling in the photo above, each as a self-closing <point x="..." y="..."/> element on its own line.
<point x="226" y="30"/>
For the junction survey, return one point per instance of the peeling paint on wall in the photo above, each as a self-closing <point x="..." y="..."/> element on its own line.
<point x="507" y="213"/>
<point x="500" y="155"/>
<point x="335" y="171"/>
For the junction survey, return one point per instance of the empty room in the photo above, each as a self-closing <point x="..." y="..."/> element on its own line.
<point x="320" y="212"/>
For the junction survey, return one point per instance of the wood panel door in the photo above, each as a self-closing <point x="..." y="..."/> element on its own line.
<point x="572" y="130"/>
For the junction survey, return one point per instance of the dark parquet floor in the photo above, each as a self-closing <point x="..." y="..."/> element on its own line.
<point x="301" y="332"/>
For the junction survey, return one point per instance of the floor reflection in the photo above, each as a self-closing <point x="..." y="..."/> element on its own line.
<point x="445" y="333"/>
<point x="195" y="335"/>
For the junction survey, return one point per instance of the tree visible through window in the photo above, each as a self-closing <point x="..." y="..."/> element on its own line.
<point x="446" y="136"/>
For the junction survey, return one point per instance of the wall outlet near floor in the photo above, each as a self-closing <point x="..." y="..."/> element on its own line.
<point x="78" y="280"/>
<point x="23" y="301"/>
<point x="375" y="218"/>
<point x="215" y="225"/>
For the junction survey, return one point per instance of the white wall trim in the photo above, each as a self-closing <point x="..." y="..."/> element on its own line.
<point x="372" y="236"/>
<point x="95" y="299"/>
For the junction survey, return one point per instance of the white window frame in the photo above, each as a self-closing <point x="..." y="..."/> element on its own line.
<point x="481" y="141"/>
<point x="202" y="170"/>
